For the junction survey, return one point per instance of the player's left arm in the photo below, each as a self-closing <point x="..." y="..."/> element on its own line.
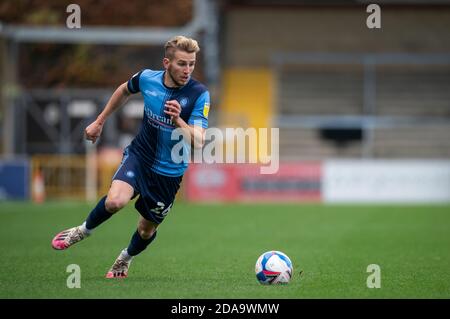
<point x="198" y="122"/>
<point x="194" y="132"/>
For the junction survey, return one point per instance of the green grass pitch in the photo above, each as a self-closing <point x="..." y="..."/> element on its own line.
<point x="209" y="251"/>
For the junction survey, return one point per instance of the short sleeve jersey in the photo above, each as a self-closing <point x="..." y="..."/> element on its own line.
<point x="154" y="143"/>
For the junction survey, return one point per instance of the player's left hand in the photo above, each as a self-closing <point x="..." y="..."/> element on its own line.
<point x="173" y="109"/>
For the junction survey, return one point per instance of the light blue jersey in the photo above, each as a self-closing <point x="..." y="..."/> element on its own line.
<point x="153" y="144"/>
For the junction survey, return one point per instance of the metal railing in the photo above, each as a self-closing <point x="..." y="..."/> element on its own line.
<point x="368" y="120"/>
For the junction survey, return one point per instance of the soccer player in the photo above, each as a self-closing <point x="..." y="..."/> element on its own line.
<point x="172" y="100"/>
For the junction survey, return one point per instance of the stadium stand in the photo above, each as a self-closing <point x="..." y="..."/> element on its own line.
<point x="341" y="105"/>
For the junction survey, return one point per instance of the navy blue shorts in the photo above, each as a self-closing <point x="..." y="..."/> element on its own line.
<point x="156" y="192"/>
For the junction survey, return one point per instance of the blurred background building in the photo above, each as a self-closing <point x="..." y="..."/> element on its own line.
<point x="363" y="114"/>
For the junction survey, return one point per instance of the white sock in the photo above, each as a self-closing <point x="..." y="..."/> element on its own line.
<point x="84" y="229"/>
<point x="125" y="256"/>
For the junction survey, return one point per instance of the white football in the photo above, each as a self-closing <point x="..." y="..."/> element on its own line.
<point x="273" y="267"/>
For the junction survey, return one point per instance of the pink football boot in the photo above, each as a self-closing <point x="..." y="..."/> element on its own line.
<point x="119" y="269"/>
<point x="67" y="238"/>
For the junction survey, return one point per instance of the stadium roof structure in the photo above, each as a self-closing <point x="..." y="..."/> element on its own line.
<point x="334" y="2"/>
<point x="110" y="35"/>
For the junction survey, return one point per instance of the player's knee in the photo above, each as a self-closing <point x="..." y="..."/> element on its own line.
<point x="114" y="204"/>
<point x="146" y="233"/>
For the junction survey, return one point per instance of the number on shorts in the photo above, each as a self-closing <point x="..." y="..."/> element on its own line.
<point x="161" y="210"/>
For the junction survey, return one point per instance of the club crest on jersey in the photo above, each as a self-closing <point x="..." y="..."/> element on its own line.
<point x="184" y="101"/>
<point x="206" y="110"/>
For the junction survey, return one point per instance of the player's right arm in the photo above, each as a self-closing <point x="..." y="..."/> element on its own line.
<point x="118" y="99"/>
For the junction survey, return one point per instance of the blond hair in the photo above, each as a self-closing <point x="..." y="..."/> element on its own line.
<point x="182" y="43"/>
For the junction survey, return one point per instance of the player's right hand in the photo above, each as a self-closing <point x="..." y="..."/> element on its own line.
<point x="93" y="131"/>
